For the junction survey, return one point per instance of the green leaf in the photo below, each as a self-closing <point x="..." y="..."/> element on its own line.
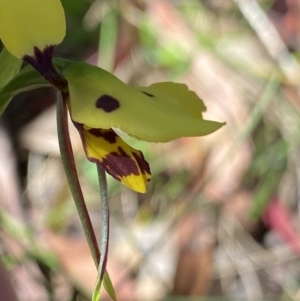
<point x="9" y="67"/>
<point x="27" y="79"/>
<point x="96" y="295"/>
<point x="108" y="287"/>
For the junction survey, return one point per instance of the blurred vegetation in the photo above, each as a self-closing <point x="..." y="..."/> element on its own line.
<point x="220" y="220"/>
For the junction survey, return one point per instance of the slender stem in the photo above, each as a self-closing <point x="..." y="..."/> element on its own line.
<point x="104" y="227"/>
<point x="71" y="173"/>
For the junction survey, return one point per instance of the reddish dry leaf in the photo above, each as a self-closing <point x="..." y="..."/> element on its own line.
<point x="280" y="220"/>
<point x="196" y="243"/>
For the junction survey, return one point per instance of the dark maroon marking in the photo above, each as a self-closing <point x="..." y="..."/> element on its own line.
<point x="107" y="103"/>
<point x="79" y="126"/>
<point x="148" y="94"/>
<point x="108" y="135"/>
<point x="42" y="62"/>
<point x="41" y="59"/>
<point x="142" y="163"/>
<point x="120" y="164"/>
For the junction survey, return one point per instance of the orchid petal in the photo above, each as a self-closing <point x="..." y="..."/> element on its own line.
<point x="159" y="113"/>
<point x="124" y="163"/>
<point x="26" y="24"/>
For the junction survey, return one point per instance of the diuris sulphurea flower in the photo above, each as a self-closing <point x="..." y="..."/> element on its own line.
<point x="97" y="100"/>
<point x="161" y="112"/>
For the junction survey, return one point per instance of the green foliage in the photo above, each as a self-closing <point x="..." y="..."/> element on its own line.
<point x="269" y="164"/>
<point x="171" y="54"/>
<point x="25" y="80"/>
<point x="10" y="67"/>
<point x="28" y="79"/>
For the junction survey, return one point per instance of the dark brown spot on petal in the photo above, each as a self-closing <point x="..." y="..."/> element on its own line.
<point x="109" y="135"/>
<point x="148" y="94"/>
<point x="107" y="103"/>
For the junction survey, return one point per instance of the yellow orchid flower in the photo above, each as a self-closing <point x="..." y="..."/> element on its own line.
<point x="27" y="25"/>
<point x="98" y="101"/>
<point x="161" y="112"/>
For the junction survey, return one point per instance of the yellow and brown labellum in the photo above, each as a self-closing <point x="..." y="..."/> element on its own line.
<point x="121" y="161"/>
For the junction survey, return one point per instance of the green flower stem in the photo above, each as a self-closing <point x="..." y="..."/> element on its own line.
<point x="104" y="231"/>
<point x="108" y="40"/>
<point x="71" y="173"/>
